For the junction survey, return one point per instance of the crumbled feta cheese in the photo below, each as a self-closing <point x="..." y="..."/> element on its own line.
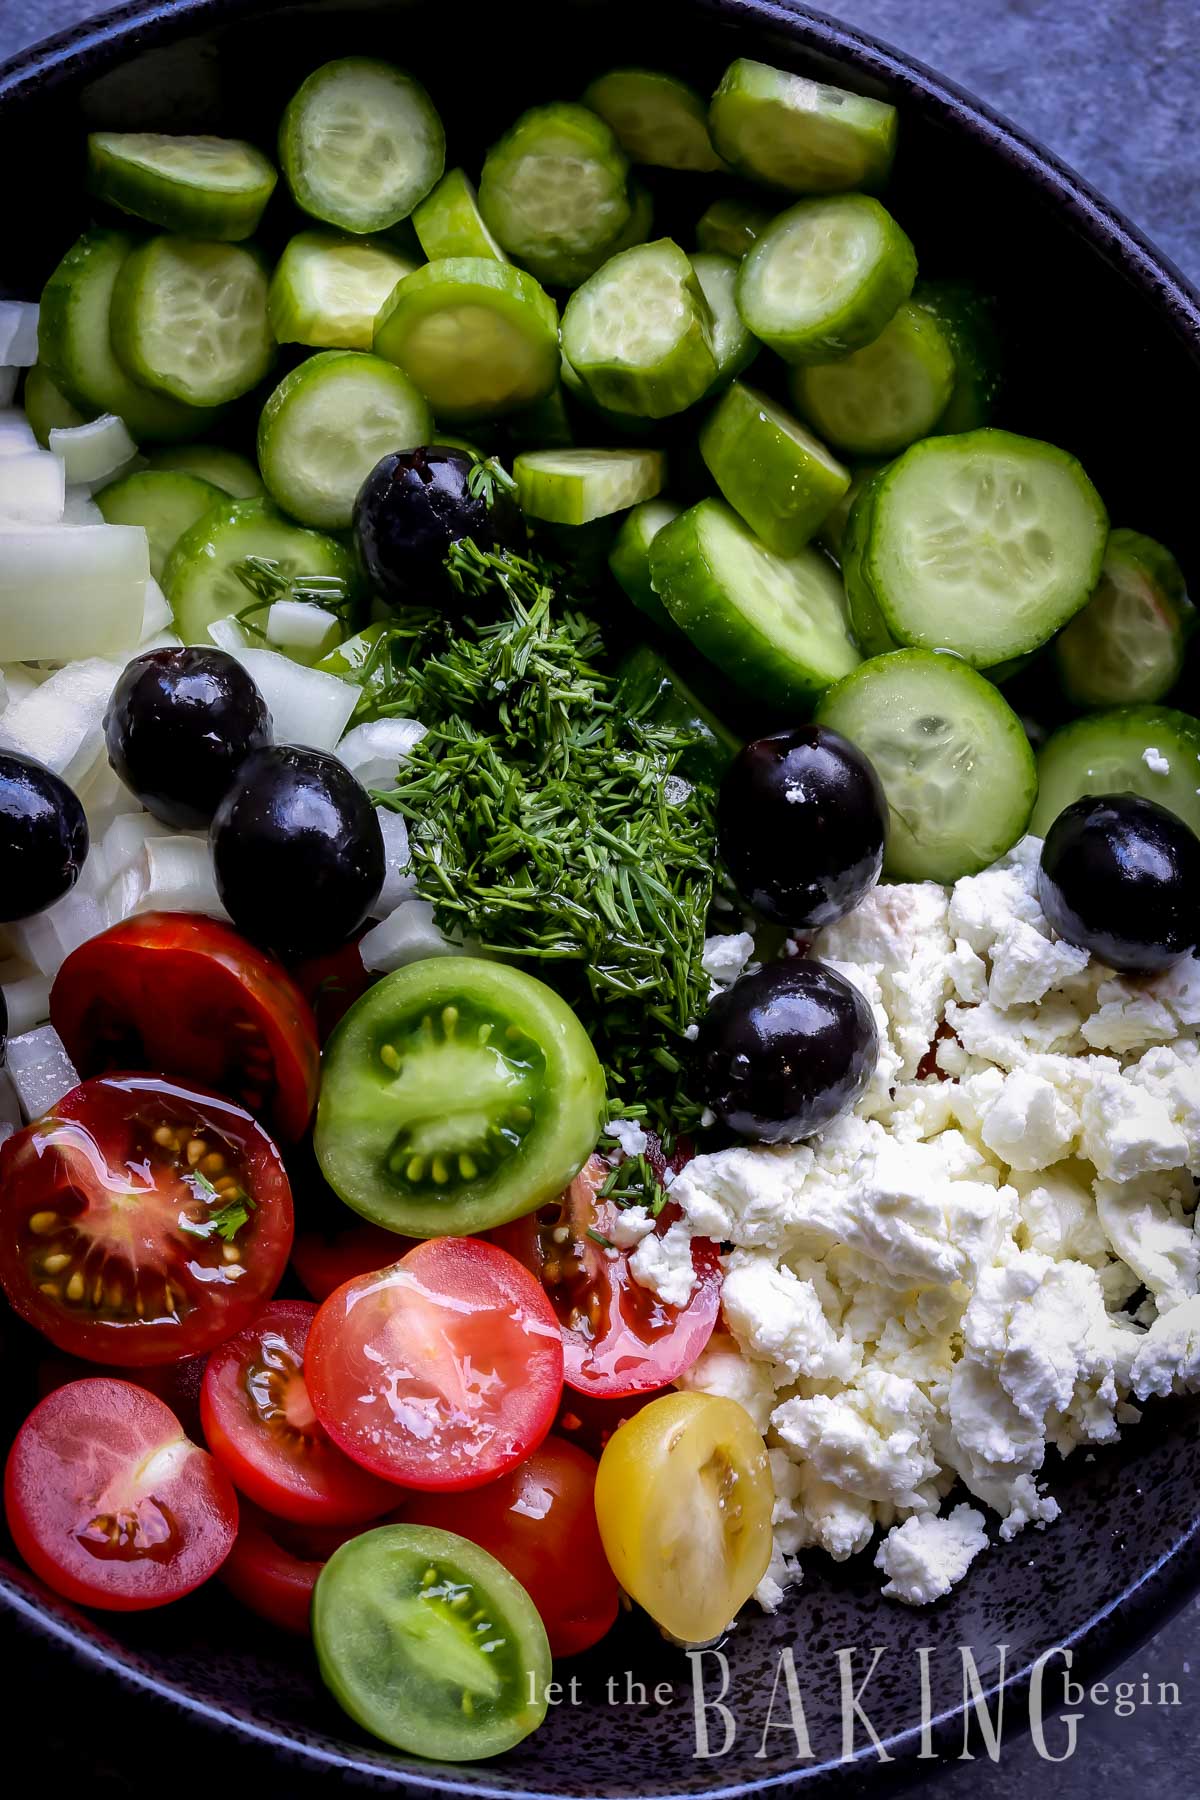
<point x="629" y="1135"/>
<point x="1168" y="1357"/>
<point x="664" y="1265"/>
<point x="926" y="1555"/>
<point x="631" y="1225"/>
<point x="1029" y="1125"/>
<point x="1155" y="761"/>
<point x="779" y="1318"/>
<point x="724" y="958"/>
<point x="871" y="1440"/>
<point x="721" y="1369"/>
<point x="1128" y="1130"/>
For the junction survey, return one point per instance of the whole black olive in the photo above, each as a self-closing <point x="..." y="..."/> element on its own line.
<point x="43" y="836"/>
<point x="412" y="507"/>
<point x="1120" y="877"/>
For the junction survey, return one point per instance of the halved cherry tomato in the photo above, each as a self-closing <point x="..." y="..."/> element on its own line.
<point x="332" y="983"/>
<point x="323" y="1261"/>
<point x="618" y="1337"/>
<point x="261" y="1427"/>
<point x="187" y="995"/>
<point x="273" y="1566"/>
<point x="110" y="1504"/>
<point x="540" y="1522"/>
<point x="441" y="1372"/>
<point x="176" y="1384"/>
<point x="142" y="1221"/>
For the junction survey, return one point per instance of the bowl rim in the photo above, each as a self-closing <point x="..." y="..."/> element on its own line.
<point x="1145" y="1604"/>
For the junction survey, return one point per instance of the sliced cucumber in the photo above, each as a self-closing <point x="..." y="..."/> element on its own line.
<point x="770" y="469"/>
<point x="189" y="319"/>
<point x="886" y="396"/>
<point x="955" y="764"/>
<point x="573" y="487"/>
<point x="361" y="144"/>
<point x="75" y="344"/>
<point x="873" y="636"/>
<point x="731" y="227"/>
<point x="46" y="408"/>
<point x="657" y="118"/>
<point x="832" y="533"/>
<point x="629" y="558"/>
<point x="201" y="582"/>
<point x="1148" y="750"/>
<point x="983" y="544"/>
<point x="799" y="134"/>
<point x="228" y="470"/>
<point x="625" y="425"/>
<point x="209" y="187"/>
<point x="327" y="289"/>
<point x="1127" y="645"/>
<point x="734" y="347"/>
<point x="164" y="501"/>
<point x="967" y="318"/>
<point x="776" y="625"/>
<point x="448" y="222"/>
<point x="639" y="333"/>
<point x="326" y="426"/>
<point x="825" y="277"/>
<point x="555" y="192"/>
<point x="478" y="337"/>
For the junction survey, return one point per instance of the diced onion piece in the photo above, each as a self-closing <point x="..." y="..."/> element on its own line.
<point x="40" y="1070"/>
<point x="20" y="680"/>
<point x="399" y="881"/>
<point x="298" y="625"/>
<point x="169" y="874"/>
<point x="307" y="706"/>
<point x="47" y="939"/>
<point x="162" y="640"/>
<point x="374" y="752"/>
<point x="61" y="723"/>
<point x="406" y="936"/>
<point x="18" y="333"/>
<point x="8" y="385"/>
<point x="28" y="1002"/>
<point x="124" y="841"/>
<point x="228" y="635"/>
<point x="10" y="1108"/>
<point x="69" y="593"/>
<point x="156" y="611"/>
<point x="95" y="451"/>
<point x="32" y="491"/>
<point x="80" y="508"/>
<point x="16" y="433"/>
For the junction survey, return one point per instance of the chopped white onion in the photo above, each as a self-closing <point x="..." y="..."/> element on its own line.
<point x="32" y="491"/>
<point x="169" y="874"/>
<point x="80" y="508"/>
<point x="40" y="1070"/>
<point x="61" y="722"/>
<point x="399" y="881"/>
<point x="162" y="640"/>
<point x="73" y="592"/>
<point x="104" y="797"/>
<point x="298" y="625"/>
<point x="228" y="635"/>
<point x="307" y="706"/>
<point x="124" y="841"/>
<point x="8" y="385"/>
<point x="156" y="612"/>
<point x="407" y="935"/>
<point x="20" y="679"/>
<point x="28" y="1002"/>
<point x="10" y="1108"/>
<point x="47" y="938"/>
<point x="18" y="333"/>
<point x="16" y="433"/>
<point x="95" y="451"/>
<point x="374" y="752"/>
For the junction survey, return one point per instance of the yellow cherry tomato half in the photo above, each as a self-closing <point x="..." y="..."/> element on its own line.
<point x="683" y="1501"/>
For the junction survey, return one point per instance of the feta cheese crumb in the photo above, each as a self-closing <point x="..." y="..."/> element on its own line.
<point x="724" y="958"/>
<point x="629" y="1135"/>
<point x="664" y="1265"/>
<point x="1155" y="761"/>
<point x="927" y="1555"/>
<point x="631" y="1225"/>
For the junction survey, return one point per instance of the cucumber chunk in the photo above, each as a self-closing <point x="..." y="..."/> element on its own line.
<point x="478" y="337"/>
<point x="1127" y="644"/>
<point x="983" y="544"/>
<point x="734" y="347"/>
<point x="555" y="192"/>
<point x="825" y="277"/>
<point x="326" y="426"/>
<point x="884" y="397"/>
<point x="731" y="227"/>
<point x="448" y="222"/>
<point x="770" y="469"/>
<point x="75" y="344"/>
<point x="776" y="625"/>
<point x="629" y="558"/>
<point x="657" y="118"/>
<point x="967" y="318"/>
<point x="573" y="487"/>
<point x="361" y="144"/>
<point x="165" y="502"/>
<point x="228" y="470"/>
<point x="798" y="134"/>
<point x="956" y="766"/>
<point x="201" y="582"/>
<point x="832" y="533"/>
<point x="1148" y="750"/>
<point x="327" y="289"/>
<point x="46" y="408"/>
<point x="870" y="629"/>
<point x="639" y="333"/>
<point x="210" y="187"/>
<point x="189" y="318"/>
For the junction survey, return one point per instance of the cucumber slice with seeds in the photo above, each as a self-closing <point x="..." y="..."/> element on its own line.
<point x="573" y="487"/>
<point x="555" y="192"/>
<point x="825" y="277"/>
<point x="734" y="347"/>
<point x="478" y="337"/>
<point x="776" y="625"/>
<point x="770" y="469"/>
<point x="327" y="289"/>
<point x="326" y="426"/>
<point x="731" y="227"/>
<point x="189" y="318"/>
<point x="629" y="558"/>
<point x="967" y="318"/>
<point x="880" y="399"/>
<point x="228" y="470"/>
<point x="955" y="764"/>
<point x="1127" y="644"/>
<point x="165" y="502"/>
<point x="799" y="134"/>
<point x="361" y="144"/>
<point x="1153" y="751"/>
<point x="448" y="222"/>
<point x="46" y="408"/>
<point x="639" y="333"/>
<point x="872" y="633"/>
<point x="983" y="544"/>
<point x="210" y="187"/>
<point x="657" y="118"/>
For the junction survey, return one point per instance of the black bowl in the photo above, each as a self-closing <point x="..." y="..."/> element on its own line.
<point x="1106" y="348"/>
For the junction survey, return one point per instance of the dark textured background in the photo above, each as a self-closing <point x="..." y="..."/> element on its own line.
<point x="1113" y="89"/>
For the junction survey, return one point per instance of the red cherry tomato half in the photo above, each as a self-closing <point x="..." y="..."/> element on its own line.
<point x="273" y="1567"/>
<point x="441" y="1372"/>
<point x="332" y="983"/>
<point x="261" y="1427"/>
<point x="176" y="1384"/>
<point x="618" y="1337"/>
<point x="187" y="995"/>
<point x="323" y="1261"/>
<point x="110" y="1504"/>
<point x="142" y="1221"/>
<point x="540" y="1522"/>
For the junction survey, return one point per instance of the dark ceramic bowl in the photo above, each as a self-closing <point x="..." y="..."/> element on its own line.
<point x="1106" y="342"/>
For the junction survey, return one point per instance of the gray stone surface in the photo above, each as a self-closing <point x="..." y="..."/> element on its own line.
<point x="1113" y="88"/>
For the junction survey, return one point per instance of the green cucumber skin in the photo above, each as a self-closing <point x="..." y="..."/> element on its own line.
<point x="150" y="497"/>
<point x="1175" y="734"/>
<point x="739" y="442"/>
<point x="968" y="319"/>
<point x="46" y="408"/>
<point x="678" y="380"/>
<point x="229" y="219"/>
<point x="561" y="258"/>
<point x="1080" y="677"/>
<point x="293" y="154"/>
<point x="872" y="633"/>
<point x="877" y="438"/>
<point x="132" y="289"/>
<point x="747" y="86"/>
<point x="629" y="558"/>
<point x="731" y="228"/>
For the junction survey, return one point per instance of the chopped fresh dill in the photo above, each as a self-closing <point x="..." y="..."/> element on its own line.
<point x="230" y="1215"/>
<point x="488" y="475"/>
<point x="634" y="1183"/>
<point x="267" y="579"/>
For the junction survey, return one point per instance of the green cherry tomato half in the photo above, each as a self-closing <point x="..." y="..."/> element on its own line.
<point x="455" y="1095"/>
<point x="428" y="1642"/>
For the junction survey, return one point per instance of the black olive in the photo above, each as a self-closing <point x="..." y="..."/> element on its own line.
<point x="786" y="1050"/>
<point x="1120" y="877"/>
<point x="43" y="836"/>
<point x="411" y="508"/>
